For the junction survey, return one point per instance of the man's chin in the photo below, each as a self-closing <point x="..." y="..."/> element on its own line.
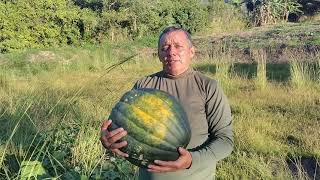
<point x="173" y="71"/>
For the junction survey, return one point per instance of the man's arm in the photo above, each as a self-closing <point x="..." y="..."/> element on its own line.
<point x="220" y="141"/>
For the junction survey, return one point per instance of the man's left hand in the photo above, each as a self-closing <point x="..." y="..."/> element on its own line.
<point x="184" y="161"/>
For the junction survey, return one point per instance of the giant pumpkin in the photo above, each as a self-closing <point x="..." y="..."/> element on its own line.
<point x="156" y="123"/>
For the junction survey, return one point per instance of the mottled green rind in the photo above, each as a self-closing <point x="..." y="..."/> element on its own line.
<point x="141" y="149"/>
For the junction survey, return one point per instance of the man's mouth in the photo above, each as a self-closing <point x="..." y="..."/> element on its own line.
<point x="172" y="61"/>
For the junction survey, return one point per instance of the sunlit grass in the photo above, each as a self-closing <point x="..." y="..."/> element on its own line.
<point x="51" y="114"/>
<point x="261" y="78"/>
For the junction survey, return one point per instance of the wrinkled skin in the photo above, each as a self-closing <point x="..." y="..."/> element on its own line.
<point x="175" y="52"/>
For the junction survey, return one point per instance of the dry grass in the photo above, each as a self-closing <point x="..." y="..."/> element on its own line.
<point x="53" y="117"/>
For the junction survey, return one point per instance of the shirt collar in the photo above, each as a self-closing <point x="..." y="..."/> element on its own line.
<point x="184" y="74"/>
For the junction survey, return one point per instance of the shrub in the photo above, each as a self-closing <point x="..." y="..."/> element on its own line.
<point x="40" y="23"/>
<point x="34" y="24"/>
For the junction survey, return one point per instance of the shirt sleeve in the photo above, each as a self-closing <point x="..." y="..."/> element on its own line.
<point x="220" y="139"/>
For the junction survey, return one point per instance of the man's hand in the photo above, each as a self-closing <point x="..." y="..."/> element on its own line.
<point x="184" y="161"/>
<point x="110" y="139"/>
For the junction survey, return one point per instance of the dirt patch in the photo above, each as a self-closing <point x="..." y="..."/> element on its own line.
<point x="148" y="53"/>
<point x="3" y="61"/>
<point x="274" y="41"/>
<point x="42" y="56"/>
<point x="308" y="167"/>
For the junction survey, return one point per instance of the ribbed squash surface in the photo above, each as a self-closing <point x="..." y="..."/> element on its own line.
<point x="156" y="123"/>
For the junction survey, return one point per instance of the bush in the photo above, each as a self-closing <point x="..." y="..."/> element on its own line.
<point x="262" y="12"/>
<point x="42" y="23"/>
<point x="38" y="23"/>
<point x="225" y="18"/>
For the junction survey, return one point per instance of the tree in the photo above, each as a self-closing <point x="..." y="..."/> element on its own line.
<point x="262" y="12"/>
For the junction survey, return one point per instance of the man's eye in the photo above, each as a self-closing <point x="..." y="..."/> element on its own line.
<point x="178" y="46"/>
<point x="164" y="48"/>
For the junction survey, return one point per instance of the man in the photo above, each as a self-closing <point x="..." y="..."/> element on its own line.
<point x="206" y="106"/>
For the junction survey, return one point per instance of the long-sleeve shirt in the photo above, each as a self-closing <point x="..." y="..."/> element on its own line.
<point x="209" y="116"/>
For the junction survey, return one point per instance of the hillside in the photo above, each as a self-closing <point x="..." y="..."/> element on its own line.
<point x="275" y="40"/>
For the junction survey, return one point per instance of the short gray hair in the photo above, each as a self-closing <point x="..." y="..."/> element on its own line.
<point x="173" y="29"/>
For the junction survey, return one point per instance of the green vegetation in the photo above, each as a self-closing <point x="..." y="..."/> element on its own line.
<point x="39" y="23"/>
<point x="43" y="24"/>
<point x="224" y="18"/>
<point x="66" y="64"/>
<point x="273" y="11"/>
<point x="275" y="40"/>
<point x="52" y="108"/>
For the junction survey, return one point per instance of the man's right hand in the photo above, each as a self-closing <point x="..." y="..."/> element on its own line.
<point x="110" y="139"/>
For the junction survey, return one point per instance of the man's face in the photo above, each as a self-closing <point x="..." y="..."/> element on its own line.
<point x="175" y="52"/>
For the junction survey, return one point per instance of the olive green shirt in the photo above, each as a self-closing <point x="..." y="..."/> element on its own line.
<point x="209" y="116"/>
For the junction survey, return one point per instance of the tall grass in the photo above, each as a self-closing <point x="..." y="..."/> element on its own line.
<point x="261" y="58"/>
<point x="318" y="68"/>
<point x="300" y="75"/>
<point x="304" y="70"/>
<point x="50" y="119"/>
<point x="225" y="18"/>
<point x="223" y="75"/>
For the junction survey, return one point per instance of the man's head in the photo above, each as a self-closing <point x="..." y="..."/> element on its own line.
<point x="175" y="50"/>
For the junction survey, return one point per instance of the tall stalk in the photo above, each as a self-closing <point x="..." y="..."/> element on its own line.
<point x="261" y="59"/>
<point x="300" y="74"/>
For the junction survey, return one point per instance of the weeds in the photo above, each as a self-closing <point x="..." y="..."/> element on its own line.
<point x="261" y="79"/>
<point x="50" y="120"/>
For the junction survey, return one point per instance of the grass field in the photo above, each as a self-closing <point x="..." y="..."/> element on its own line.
<point x="53" y="102"/>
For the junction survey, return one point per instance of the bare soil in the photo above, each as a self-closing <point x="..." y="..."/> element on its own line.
<point x="274" y="40"/>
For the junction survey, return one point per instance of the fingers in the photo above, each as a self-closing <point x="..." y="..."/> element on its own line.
<point x="110" y="139"/>
<point x="182" y="151"/>
<point x="116" y="148"/>
<point x="105" y="125"/>
<point x="118" y="145"/>
<point x="163" y="166"/>
<point x="167" y="163"/>
<point x="156" y="168"/>
<point x="184" y="161"/>
<point x="116" y="135"/>
<point x="120" y="153"/>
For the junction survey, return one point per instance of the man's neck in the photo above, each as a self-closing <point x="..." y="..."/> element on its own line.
<point x="175" y="75"/>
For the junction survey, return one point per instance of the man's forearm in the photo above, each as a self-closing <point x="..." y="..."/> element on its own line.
<point x="213" y="150"/>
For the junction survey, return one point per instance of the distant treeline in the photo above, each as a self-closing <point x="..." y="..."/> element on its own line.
<point x="262" y="12"/>
<point x="52" y="23"/>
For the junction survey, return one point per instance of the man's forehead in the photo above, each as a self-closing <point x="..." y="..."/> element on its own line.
<point x="175" y="36"/>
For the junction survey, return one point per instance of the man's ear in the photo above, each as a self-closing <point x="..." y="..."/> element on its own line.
<point x="192" y="51"/>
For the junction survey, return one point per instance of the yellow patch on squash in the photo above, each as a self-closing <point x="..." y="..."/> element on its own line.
<point x="159" y="109"/>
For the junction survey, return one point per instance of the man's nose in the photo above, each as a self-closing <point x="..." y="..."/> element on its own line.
<point x="172" y="50"/>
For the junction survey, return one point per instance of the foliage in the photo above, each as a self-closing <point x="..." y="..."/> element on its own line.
<point x="271" y="126"/>
<point x="273" y="11"/>
<point x="47" y="23"/>
<point x="225" y="18"/>
<point x="262" y="12"/>
<point x="135" y="19"/>
<point x="33" y="169"/>
<point x="37" y="23"/>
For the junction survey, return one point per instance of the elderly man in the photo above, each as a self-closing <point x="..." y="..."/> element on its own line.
<point x="206" y="106"/>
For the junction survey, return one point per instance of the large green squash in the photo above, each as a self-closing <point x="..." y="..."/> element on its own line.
<point x="156" y="123"/>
